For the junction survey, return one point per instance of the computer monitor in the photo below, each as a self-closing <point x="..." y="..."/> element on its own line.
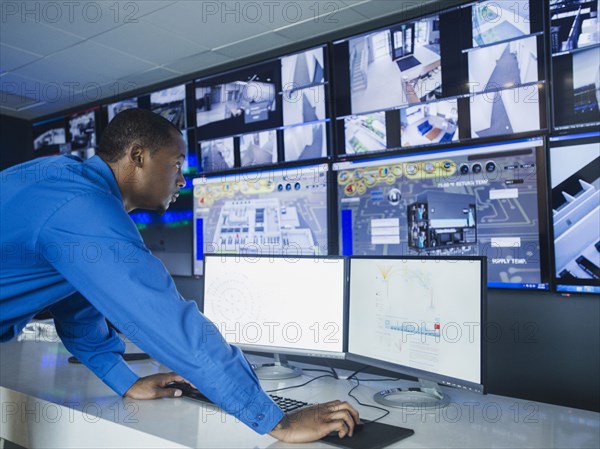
<point x="120" y="106"/>
<point x="496" y="21"/>
<point x="487" y="200"/>
<point x="82" y="133"/>
<point x="279" y="305"/>
<point x="573" y="24"/>
<point x="420" y="317"/>
<point x="575" y="182"/>
<point x="281" y="211"/>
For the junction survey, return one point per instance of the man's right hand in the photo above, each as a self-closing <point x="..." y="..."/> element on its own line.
<point x="313" y="423"/>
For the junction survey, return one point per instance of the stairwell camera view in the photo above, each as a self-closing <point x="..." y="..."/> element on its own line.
<point x="573" y="24"/>
<point x="575" y="177"/>
<point x="429" y="123"/>
<point x="217" y="154"/>
<point x="495" y="21"/>
<point x="396" y="66"/>
<point x="475" y="201"/>
<point x="268" y="212"/>
<point x="503" y="66"/>
<point x="258" y="148"/>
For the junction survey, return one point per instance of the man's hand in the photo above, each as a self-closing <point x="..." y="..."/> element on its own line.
<point x="313" y="423"/>
<point x="153" y="387"/>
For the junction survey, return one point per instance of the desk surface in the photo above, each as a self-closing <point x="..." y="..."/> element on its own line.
<point x="47" y="402"/>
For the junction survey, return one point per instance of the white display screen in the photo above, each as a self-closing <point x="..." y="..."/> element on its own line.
<point x="423" y="314"/>
<point x="277" y="302"/>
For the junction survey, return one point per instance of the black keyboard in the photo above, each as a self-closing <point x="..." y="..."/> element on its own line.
<point x="285" y="404"/>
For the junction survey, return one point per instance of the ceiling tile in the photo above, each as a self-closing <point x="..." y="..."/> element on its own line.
<point x="147" y="41"/>
<point x="11" y="57"/>
<point x="88" y="18"/>
<point x="27" y="90"/>
<point x="195" y="22"/>
<point x="341" y="19"/>
<point x="35" y="37"/>
<point x="51" y="71"/>
<point x="101" y="59"/>
<point x="198" y="62"/>
<point x="379" y="8"/>
<point x="148" y="77"/>
<point x="258" y="44"/>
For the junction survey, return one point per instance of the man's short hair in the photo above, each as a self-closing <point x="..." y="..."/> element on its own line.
<point x="135" y="126"/>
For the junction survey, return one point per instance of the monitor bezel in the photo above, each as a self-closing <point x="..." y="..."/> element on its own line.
<point x="422" y="374"/>
<point x="341" y="355"/>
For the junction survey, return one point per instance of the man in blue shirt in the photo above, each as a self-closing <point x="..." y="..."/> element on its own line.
<point x="68" y="245"/>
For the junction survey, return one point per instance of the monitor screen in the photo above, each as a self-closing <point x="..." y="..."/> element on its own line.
<point x="82" y="133"/>
<point x="49" y="136"/>
<point x="290" y="305"/>
<point x="170" y="103"/>
<point x="496" y="21"/>
<point x="576" y="88"/>
<point x="217" y="155"/>
<point x="575" y="182"/>
<point x="430" y="123"/>
<point x="486" y="200"/>
<point x="506" y="112"/>
<point x="421" y="317"/>
<point x="280" y="211"/>
<point x="258" y="148"/>
<point x="114" y="108"/>
<point x="506" y="65"/>
<point x="305" y="142"/>
<point x="573" y="24"/>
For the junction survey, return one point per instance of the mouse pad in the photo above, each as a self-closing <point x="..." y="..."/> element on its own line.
<point x="374" y="435"/>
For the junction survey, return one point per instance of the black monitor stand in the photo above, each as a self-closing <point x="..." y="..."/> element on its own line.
<point x="427" y="396"/>
<point x="278" y="370"/>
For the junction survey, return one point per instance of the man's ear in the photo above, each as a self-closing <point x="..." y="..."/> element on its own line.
<point x="136" y="155"/>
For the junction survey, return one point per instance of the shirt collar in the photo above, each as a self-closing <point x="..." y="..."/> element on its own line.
<point x="97" y="164"/>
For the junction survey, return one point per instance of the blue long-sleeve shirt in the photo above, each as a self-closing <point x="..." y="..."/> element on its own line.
<point x="68" y="244"/>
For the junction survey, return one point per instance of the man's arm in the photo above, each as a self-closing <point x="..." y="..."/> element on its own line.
<point x="85" y="333"/>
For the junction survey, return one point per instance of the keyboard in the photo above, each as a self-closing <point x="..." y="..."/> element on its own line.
<point x="285" y="404"/>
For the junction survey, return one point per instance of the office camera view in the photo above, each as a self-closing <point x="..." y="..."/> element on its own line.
<point x="365" y="133"/>
<point x="429" y="123"/>
<point x="575" y="179"/>
<point x="475" y="201"/>
<point x="267" y="212"/>
<point x="495" y="21"/>
<point x="170" y="103"/>
<point x="574" y="24"/>
<point x="395" y="66"/>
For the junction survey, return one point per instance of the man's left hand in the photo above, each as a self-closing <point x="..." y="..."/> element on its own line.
<point x="155" y="386"/>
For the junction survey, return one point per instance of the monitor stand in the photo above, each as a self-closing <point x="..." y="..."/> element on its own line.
<point x="278" y="370"/>
<point x="428" y="396"/>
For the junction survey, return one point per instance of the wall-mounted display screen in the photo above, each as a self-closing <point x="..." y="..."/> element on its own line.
<point x="486" y="200"/>
<point x="258" y="148"/>
<point x="575" y="182"/>
<point x="574" y="24"/>
<point x="170" y="103"/>
<point x="496" y="21"/>
<point x="217" y="155"/>
<point x="82" y="133"/>
<point x="281" y="211"/>
<point x="49" y="136"/>
<point x="430" y="123"/>
<point x="114" y="108"/>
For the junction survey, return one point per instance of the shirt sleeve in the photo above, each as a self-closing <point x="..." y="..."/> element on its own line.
<point x="85" y="333"/>
<point x="94" y="244"/>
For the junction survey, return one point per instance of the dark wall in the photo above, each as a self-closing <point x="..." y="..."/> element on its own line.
<point x="541" y="346"/>
<point x="15" y="141"/>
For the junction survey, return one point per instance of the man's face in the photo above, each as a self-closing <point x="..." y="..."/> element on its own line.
<point x="160" y="176"/>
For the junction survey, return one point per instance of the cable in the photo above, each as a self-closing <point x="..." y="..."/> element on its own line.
<point x="387" y="412"/>
<point x="300" y="385"/>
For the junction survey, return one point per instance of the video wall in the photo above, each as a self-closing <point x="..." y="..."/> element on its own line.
<point x="468" y="131"/>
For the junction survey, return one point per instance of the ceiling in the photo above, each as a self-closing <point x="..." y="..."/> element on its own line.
<point x="55" y="56"/>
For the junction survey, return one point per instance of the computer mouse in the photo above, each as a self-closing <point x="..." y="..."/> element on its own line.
<point x="185" y="388"/>
<point x="357" y="428"/>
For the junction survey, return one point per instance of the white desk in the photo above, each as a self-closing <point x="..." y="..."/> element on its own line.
<point x="47" y="402"/>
